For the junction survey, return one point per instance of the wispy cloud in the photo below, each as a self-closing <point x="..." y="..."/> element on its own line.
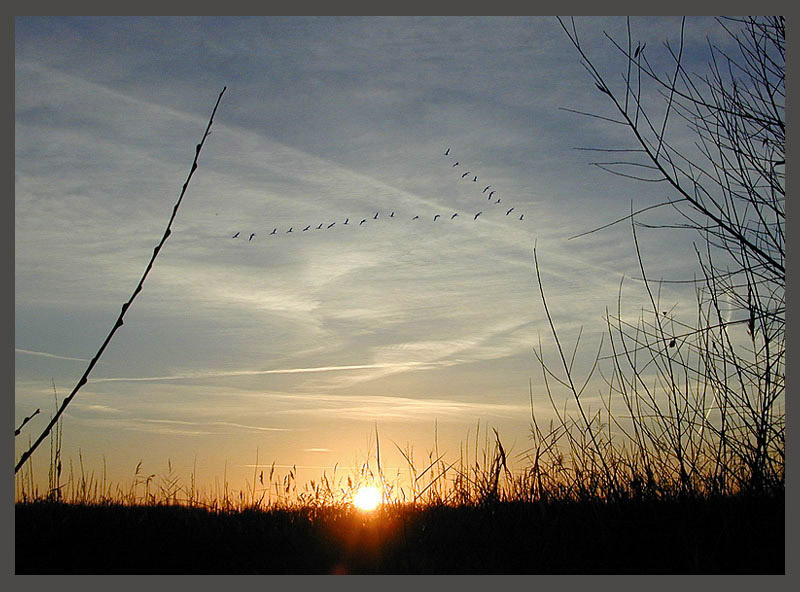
<point x="47" y="355"/>
<point x="231" y="333"/>
<point x="176" y="427"/>
<point x="374" y="407"/>
<point x="216" y="423"/>
<point x="101" y="408"/>
<point x="233" y="373"/>
<point x="473" y="345"/>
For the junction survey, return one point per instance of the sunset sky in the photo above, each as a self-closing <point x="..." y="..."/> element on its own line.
<point x="295" y="345"/>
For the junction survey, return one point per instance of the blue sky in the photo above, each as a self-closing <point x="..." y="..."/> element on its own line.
<point x="296" y="344"/>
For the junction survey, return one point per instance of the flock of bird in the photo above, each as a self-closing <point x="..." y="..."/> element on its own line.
<point x="485" y="189"/>
<point x="490" y="198"/>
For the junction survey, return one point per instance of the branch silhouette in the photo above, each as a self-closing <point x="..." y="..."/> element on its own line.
<point x="18" y="431"/>
<point x="119" y="321"/>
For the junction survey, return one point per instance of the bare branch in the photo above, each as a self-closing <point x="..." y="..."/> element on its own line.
<point x="119" y="322"/>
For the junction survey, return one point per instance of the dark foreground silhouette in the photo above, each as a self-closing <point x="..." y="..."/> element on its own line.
<point x="722" y="536"/>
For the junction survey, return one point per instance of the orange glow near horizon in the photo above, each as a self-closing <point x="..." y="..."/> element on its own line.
<point x="367" y="498"/>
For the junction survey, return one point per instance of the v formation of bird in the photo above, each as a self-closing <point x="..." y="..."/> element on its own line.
<point x="489" y="196"/>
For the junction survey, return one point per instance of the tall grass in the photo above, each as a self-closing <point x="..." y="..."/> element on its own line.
<point x="684" y="414"/>
<point x="573" y="458"/>
<point x="694" y="407"/>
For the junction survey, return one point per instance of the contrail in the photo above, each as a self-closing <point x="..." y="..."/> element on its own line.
<point x="216" y="423"/>
<point x="46" y="355"/>
<point x="249" y="373"/>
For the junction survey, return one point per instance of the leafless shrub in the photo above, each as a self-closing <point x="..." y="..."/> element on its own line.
<point x="704" y="397"/>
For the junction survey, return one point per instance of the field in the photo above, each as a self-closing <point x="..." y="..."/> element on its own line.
<point x="720" y="536"/>
<point x="472" y="516"/>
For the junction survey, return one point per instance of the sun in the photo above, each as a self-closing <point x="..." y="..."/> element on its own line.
<point x="367" y="498"/>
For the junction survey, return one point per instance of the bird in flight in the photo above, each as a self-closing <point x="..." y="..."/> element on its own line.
<point x="290" y="229"/>
<point x="331" y="224"/>
<point x="307" y="227"/>
<point x="436" y="216"/>
<point x="274" y="230"/>
<point x="498" y="201"/>
<point x="375" y="217"/>
<point x="465" y="174"/>
<point x="391" y="215"/>
<point x="415" y="218"/>
<point x="485" y="188"/>
<point x="251" y="237"/>
<point x="454" y="215"/>
<point x="509" y="211"/>
<point x="490" y="194"/>
<point x="475" y="180"/>
<point x="364" y="220"/>
<point x="235" y="235"/>
<point x="521" y="216"/>
<point x="476" y="215"/>
<point x="346" y="221"/>
<point x="446" y="152"/>
<point x="455" y="165"/>
<point x="320" y="226"/>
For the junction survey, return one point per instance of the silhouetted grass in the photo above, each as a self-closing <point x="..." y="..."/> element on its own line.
<point x="725" y="535"/>
<point x="472" y="516"/>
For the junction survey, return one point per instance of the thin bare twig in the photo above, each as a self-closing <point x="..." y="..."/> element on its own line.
<point x="24" y="421"/>
<point x="26" y="455"/>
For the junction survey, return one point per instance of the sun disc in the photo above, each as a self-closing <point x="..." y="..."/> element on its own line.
<point x="367" y="498"/>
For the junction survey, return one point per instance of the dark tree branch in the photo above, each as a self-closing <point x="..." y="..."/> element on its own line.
<point x="26" y="455"/>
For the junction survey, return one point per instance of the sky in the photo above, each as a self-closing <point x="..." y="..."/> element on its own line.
<point x="294" y="346"/>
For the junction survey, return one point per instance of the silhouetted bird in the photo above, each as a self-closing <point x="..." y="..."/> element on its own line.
<point x="475" y="180"/>
<point x="521" y="216"/>
<point x="364" y="220"/>
<point x="375" y="217"/>
<point x="436" y="216"/>
<point x="454" y="215"/>
<point x="485" y="188"/>
<point x="455" y="165"/>
<point x="446" y="152"/>
<point x="415" y="218"/>
<point x="307" y="227"/>
<point x="274" y="230"/>
<point x="235" y="235"/>
<point x="346" y="221"/>
<point x="498" y="201"/>
<point x="391" y="215"/>
<point x="490" y="194"/>
<point x="465" y="174"/>
<point x="290" y="229"/>
<point x="251" y="237"/>
<point x="320" y="226"/>
<point x="509" y="211"/>
<point x="331" y="224"/>
<point x="476" y="215"/>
